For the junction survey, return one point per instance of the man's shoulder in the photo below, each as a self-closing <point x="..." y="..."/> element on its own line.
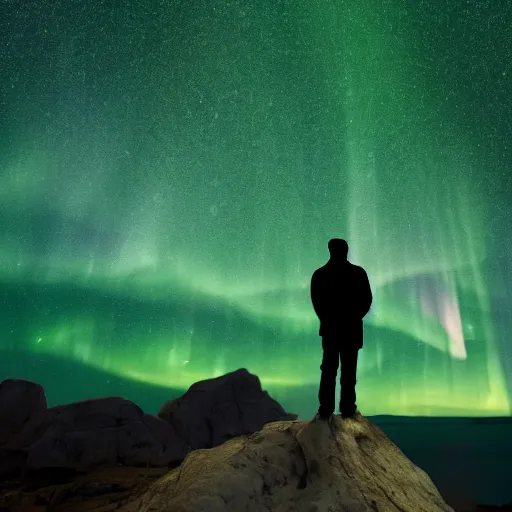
<point x="326" y="270"/>
<point x="357" y="269"/>
<point x="321" y="271"/>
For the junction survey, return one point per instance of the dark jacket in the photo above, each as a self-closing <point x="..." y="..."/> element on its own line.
<point x="341" y="296"/>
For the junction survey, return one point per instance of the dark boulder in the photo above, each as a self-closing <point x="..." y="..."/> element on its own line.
<point x="22" y="412"/>
<point x="100" y="432"/>
<point x="215" y="410"/>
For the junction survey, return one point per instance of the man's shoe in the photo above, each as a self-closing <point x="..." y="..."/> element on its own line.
<point x="349" y="413"/>
<point x="323" y="417"/>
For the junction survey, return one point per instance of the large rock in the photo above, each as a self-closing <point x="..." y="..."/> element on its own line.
<point x="347" y="464"/>
<point x="80" y="436"/>
<point x="215" y="410"/>
<point x="104" y="432"/>
<point x="22" y="412"/>
<point x="101" y="490"/>
<point x="22" y="415"/>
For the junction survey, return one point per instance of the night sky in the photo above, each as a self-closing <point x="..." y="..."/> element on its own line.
<point x="171" y="173"/>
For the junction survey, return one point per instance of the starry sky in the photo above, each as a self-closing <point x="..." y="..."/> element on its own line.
<point x="171" y="173"/>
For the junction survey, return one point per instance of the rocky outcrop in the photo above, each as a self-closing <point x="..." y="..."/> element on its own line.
<point x="101" y="490"/>
<point x="113" y="431"/>
<point x="22" y="412"/>
<point x="104" y="432"/>
<point x="215" y="410"/>
<point x="80" y="436"/>
<point x="346" y="464"/>
<point x="22" y="415"/>
<point x="343" y="465"/>
<point x="241" y="451"/>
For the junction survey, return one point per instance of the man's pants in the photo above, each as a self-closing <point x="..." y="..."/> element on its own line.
<point x="333" y="354"/>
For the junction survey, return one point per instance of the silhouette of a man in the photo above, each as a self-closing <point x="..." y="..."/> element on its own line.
<point x="341" y="296"/>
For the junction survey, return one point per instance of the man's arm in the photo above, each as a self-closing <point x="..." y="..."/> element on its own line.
<point x="366" y="294"/>
<point x="316" y="296"/>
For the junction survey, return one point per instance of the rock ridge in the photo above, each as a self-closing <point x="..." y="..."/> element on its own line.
<point x="345" y="464"/>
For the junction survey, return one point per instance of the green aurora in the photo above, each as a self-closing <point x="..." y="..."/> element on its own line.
<point x="171" y="175"/>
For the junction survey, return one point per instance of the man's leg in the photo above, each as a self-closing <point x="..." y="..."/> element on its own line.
<point x="329" y="367"/>
<point x="348" y="357"/>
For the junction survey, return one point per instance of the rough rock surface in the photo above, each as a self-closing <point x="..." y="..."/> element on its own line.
<point x="345" y="465"/>
<point x="22" y="411"/>
<point x="342" y="465"/>
<point x="79" y="436"/>
<point x="22" y="414"/>
<point x="104" y="432"/>
<point x="101" y="490"/>
<point x="215" y="410"/>
<point x="112" y="431"/>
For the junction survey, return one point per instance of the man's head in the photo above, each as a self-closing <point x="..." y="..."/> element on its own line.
<point x="338" y="249"/>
